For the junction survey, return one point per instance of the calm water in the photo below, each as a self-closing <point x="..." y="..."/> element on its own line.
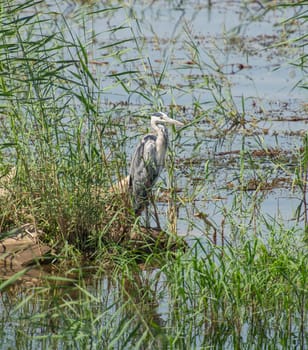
<point x="186" y="44"/>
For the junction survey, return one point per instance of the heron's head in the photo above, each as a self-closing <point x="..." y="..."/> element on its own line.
<point x="162" y="118"/>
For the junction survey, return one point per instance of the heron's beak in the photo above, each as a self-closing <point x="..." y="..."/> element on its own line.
<point x="174" y="122"/>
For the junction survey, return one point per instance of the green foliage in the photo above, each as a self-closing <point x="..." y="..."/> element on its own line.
<point x="251" y="294"/>
<point x="242" y="284"/>
<point x="54" y="132"/>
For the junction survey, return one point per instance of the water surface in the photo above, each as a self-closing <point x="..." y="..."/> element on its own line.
<point x="184" y="57"/>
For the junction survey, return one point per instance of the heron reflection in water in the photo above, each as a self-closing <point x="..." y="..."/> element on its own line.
<point x="147" y="163"/>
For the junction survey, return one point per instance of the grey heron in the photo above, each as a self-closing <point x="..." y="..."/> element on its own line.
<point x="148" y="161"/>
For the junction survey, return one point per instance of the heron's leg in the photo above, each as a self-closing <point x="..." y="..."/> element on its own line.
<point x="147" y="216"/>
<point x="155" y="212"/>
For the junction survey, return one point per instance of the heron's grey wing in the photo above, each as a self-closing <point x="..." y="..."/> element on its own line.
<point x="150" y="158"/>
<point x="143" y="170"/>
<point x="144" y="167"/>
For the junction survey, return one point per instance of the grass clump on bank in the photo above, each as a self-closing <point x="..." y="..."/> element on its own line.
<point x="59" y="149"/>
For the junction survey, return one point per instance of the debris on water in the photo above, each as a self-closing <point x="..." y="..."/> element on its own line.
<point x="23" y="247"/>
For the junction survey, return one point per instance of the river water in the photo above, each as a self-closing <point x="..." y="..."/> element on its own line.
<point x="222" y="70"/>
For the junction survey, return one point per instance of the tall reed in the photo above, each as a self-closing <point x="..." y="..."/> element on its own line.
<point x="63" y="149"/>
